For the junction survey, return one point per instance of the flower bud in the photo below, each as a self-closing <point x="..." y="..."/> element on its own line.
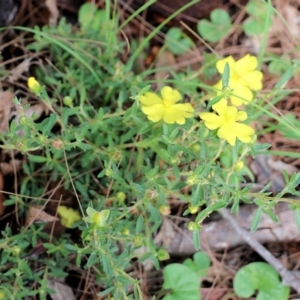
<point x="108" y="172"/>
<point x="24" y="120"/>
<point x="193" y="209"/>
<point x="57" y="144"/>
<point x="16" y="250"/>
<point x="192" y="179"/>
<point x="239" y="166"/>
<point x="121" y="196"/>
<point x="125" y="231"/>
<point x="162" y="254"/>
<point x="192" y="226"/>
<point x="68" y="101"/>
<point x="164" y="210"/>
<point x="137" y="241"/>
<point x="196" y="147"/>
<point x="33" y="85"/>
<point x="100" y="218"/>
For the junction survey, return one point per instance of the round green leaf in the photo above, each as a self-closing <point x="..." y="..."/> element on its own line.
<point x="86" y="14"/>
<point x="220" y="17"/>
<point x="183" y="283"/>
<point x="262" y="277"/>
<point x="177" y="42"/>
<point x="218" y="28"/>
<point x="199" y="264"/>
<point x="254" y="26"/>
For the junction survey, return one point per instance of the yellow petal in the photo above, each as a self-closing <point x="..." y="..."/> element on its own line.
<point x="241" y="116"/>
<point x="231" y="113"/>
<point x="226" y="132"/>
<point x="186" y="108"/>
<point x="246" y="64"/>
<point x="221" y="64"/>
<point x="150" y="99"/>
<point x="170" y="95"/>
<point x="219" y="87"/>
<point x="243" y="132"/>
<point x="178" y="113"/>
<point x="253" y="80"/>
<point x="221" y="107"/>
<point x="241" y="95"/>
<point x="68" y="216"/>
<point x="154" y="112"/>
<point x="211" y="121"/>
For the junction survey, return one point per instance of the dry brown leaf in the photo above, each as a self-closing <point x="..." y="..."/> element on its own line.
<point x="5" y="109"/>
<point x="35" y="214"/>
<point x="291" y="16"/>
<point x="10" y="167"/>
<point x="52" y="6"/>
<point x="266" y="170"/>
<point x="16" y="72"/>
<point x="214" y="293"/>
<point x="279" y="165"/>
<point x="164" y="63"/>
<point x="35" y="111"/>
<point x="63" y="292"/>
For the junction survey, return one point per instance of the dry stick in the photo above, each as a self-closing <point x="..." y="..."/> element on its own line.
<point x="289" y="278"/>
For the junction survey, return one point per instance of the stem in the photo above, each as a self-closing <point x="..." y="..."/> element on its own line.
<point x="288" y="278"/>
<point x="220" y="150"/>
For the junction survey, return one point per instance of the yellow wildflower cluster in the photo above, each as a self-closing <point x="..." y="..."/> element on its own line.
<point x="243" y="79"/>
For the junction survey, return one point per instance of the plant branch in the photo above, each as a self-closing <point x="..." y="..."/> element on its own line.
<point x="289" y="278"/>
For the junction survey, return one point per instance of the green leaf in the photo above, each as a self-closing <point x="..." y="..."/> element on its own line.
<point x="154" y="213"/>
<point x="214" y="100"/>
<point x="256" y="219"/>
<point x="262" y="277"/>
<point x="279" y="65"/>
<point x="86" y="14"/>
<point x="218" y="28"/>
<point x="297" y="217"/>
<point x="196" y="239"/>
<point x="139" y="224"/>
<point x="295" y="180"/>
<point x="204" y="213"/>
<point x="270" y="213"/>
<point x="48" y="123"/>
<point x="199" y="264"/>
<point x="38" y="159"/>
<point x="177" y="42"/>
<point x="226" y="75"/>
<point x="183" y="283"/>
<point x="257" y="22"/>
<point x="288" y="74"/>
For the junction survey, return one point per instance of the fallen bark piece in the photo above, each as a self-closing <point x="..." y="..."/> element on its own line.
<point x="220" y="235"/>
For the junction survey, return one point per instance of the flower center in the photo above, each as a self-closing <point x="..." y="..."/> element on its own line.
<point x="229" y="118"/>
<point x="167" y="102"/>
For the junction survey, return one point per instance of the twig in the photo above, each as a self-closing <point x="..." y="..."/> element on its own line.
<point x="289" y="278"/>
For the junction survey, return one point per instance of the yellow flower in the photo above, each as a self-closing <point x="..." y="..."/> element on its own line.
<point x="33" y="85"/>
<point x="165" y="107"/>
<point x="68" y="216"/>
<point x="226" y="122"/>
<point x="242" y="78"/>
